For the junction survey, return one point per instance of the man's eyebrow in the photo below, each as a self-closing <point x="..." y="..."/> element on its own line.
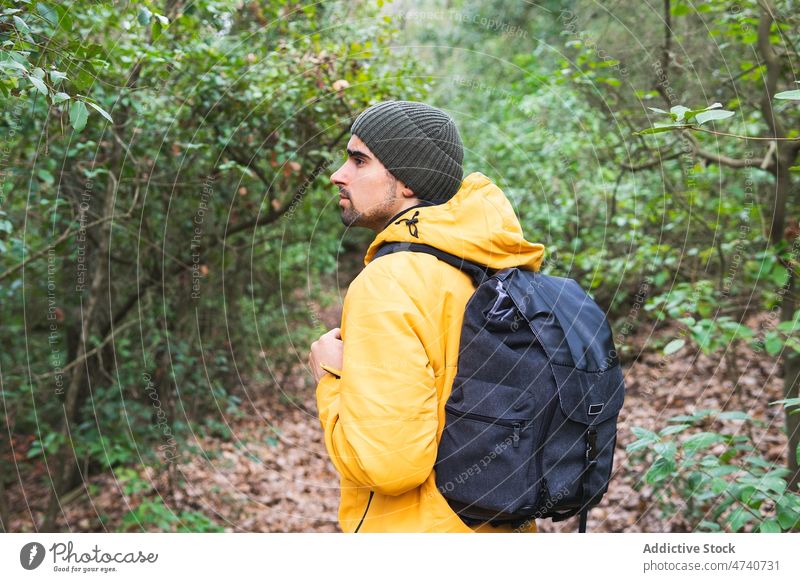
<point x="357" y="153"/>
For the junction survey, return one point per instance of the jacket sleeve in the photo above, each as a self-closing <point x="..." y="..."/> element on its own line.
<point x="380" y="418"/>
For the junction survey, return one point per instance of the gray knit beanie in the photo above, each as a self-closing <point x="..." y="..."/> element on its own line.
<point x="417" y="143"/>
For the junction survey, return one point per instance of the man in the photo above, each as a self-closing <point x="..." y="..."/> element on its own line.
<point x="385" y="376"/>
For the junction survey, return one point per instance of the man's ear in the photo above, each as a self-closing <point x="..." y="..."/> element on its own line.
<point x="405" y="191"/>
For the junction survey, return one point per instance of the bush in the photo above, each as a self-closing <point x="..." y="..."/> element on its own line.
<point x="721" y="477"/>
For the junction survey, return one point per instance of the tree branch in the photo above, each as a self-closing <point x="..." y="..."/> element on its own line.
<point x="251" y="165"/>
<point x="272" y="215"/>
<point x="765" y="164"/>
<point x="37" y="255"/>
<point x="651" y="164"/>
<point x="87" y="355"/>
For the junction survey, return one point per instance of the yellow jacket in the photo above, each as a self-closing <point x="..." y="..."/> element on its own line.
<point x="401" y="326"/>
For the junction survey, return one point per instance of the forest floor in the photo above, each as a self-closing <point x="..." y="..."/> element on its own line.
<point x="271" y="473"/>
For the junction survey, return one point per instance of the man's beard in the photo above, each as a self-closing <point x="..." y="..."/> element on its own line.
<point x="375" y="216"/>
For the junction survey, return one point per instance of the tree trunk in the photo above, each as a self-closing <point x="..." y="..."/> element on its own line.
<point x="65" y="460"/>
<point x="791" y="381"/>
<point x="5" y="518"/>
<point x="785" y="156"/>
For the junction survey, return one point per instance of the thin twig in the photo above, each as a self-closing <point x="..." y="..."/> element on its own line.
<point x="88" y="354"/>
<point x="67" y="233"/>
<point x="711" y="131"/>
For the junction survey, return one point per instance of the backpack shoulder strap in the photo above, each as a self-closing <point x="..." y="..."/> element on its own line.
<point x="478" y="273"/>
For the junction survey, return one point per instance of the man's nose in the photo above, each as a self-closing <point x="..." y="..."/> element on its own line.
<point x="338" y="177"/>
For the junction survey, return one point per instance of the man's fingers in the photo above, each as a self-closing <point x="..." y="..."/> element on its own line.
<point x="335" y="332"/>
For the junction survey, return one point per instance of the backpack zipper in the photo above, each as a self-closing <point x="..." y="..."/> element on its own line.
<point x="518" y="425"/>
<point x="366" y="509"/>
<point x="510" y="423"/>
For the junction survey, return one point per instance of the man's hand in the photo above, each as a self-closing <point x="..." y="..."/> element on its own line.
<point x="328" y="350"/>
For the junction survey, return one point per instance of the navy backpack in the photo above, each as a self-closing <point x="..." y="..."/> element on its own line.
<point x="531" y="422"/>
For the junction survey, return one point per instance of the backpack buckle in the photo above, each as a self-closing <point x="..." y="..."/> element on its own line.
<point x="591" y="447"/>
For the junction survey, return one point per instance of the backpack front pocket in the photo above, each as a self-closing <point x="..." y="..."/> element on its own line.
<point x="484" y="462"/>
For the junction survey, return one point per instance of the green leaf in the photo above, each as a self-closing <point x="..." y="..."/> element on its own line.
<point x="59" y="97"/>
<point x="678" y="112"/>
<point x="48" y="13"/>
<point x="769" y="526"/>
<point x="654" y="130"/>
<point x="659" y="128"/>
<point x="734" y="415"/>
<point x="21" y="25"/>
<point x="722" y="470"/>
<point x="673" y="429"/>
<point x="638" y="445"/>
<point x="644" y="434"/>
<point x="674" y="346"/>
<point x="779" y="472"/>
<point x="100" y="110"/>
<point x="657" y="110"/>
<point x="666" y="450"/>
<point x="660" y="470"/>
<point x="45" y="176"/>
<point x="757" y="462"/>
<point x="775" y="484"/>
<point x="793" y="95"/>
<point x="156" y="29"/>
<point x="64" y="19"/>
<point x="722" y="506"/>
<point x="788" y="516"/>
<point x="696" y="483"/>
<point x="712" y="115"/>
<point x="710" y="461"/>
<point x="56" y="76"/>
<point x="13" y="65"/>
<point x="144" y="16"/>
<point x="719" y="485"/>
<point x="691" y="114"/>
<point x="685" y="418"/>
<point x="680" y="10"/>
<point x="703" y="440"/>
<point x="738" y="518"/>
<point x="78" y="114"/>
<point x="773" y="344"/>
<point x="787" y="402"/>
<point x="39" y="84"/>
<point x="709" y="525"/>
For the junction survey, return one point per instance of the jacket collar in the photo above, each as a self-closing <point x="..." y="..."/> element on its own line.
<point x="402" y="212"/>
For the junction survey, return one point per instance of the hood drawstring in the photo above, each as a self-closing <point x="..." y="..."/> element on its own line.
<point x="411" y="223"/>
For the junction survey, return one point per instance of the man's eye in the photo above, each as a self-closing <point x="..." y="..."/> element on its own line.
<point x="359" y="162"/>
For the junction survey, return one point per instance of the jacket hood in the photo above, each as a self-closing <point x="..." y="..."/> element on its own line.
<point x="477" y="224"/>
